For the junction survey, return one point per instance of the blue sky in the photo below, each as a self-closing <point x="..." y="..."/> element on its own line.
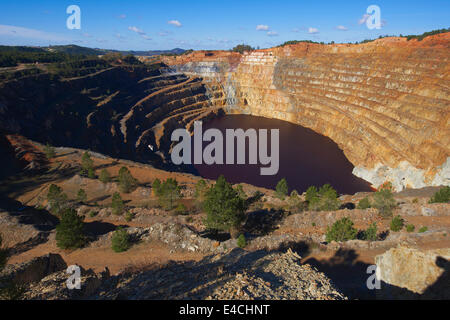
<point x="211" y="24"/>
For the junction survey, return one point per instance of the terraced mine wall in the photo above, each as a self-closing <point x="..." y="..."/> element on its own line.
<point x="385" y="103"/>
<point x="119" y="111"/>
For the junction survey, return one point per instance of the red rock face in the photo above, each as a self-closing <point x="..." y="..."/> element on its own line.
<point x="385" y="103"/>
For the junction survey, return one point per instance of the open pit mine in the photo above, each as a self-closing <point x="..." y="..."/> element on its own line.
<point x="384" y="103"/>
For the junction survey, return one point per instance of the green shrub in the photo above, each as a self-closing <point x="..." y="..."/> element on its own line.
<point x="311" y="194"/>
<point x="93" y="214"/>
<point x="241" y="48"/>
<point x="169" y="193"/>
<point x="120" y="240"/>
<point x="294" y="201"/>
<point x="324" y="199"/>
<point x="384" y="201"/>
<point x="364" y="203"/>
<point x="91" y="173"/>
<point x="49" y="151"/>
<point x="181" y="209"/>
<point x="87" y="164"/>
<point x="69" y="232"/>
<point x="117" y="204"/>
<point x="225" y="209"/>
<point x="423" y="229"/>
<point x="81" y="195"/>
<point x="282" y="189"/>
<point x="156" y="186"/>
<point x="129" y="216"/>
<point x="342" y="230"/>
<point x="442" y="196"/>
<point x="241" y="241"/>
<point x="104" y="176"/>
<point x="415" y="200"/>
<point x="189" y="219"/>
<point x="410" y="228"/>
<point x="397" y="223"/>
<point x="127" y="183"/>
<point x="328" y="198"/>
<point x="370" y="234"/>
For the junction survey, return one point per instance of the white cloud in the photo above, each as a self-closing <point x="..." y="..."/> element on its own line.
<point x="313" y="30"/>
<point x="15" y="31"/>
<point x="140" y="32"/>
<point x="272" y="33"/>
<point x="342" y="28"/>
<point x="176" y="23"/>
<point x="262" y="27"/>
<point x="364" y="18"/>
<point x="137" y="30"/>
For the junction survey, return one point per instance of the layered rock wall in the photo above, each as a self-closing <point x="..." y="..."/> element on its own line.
<point x="385" y="103"/>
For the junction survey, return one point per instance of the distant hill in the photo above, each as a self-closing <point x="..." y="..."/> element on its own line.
<point x="74" y="49"/>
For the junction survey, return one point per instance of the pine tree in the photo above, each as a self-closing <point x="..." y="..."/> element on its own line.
<point x="156" y="186"/>
<point x="294" y="201"/>
<point x="384" y="201"/>
<point x="342" y="230"/>
<point x="120" y="240"/>
<point x="169" y="194"/>
<point x="69" y="233"/>
<point x="224" y="207"/>
<point x="364" y="203"/>
<point x="200" y="193"/>
<point x="81" y="196"/>
<point x="324" y="199"/>
<point x="127" y="182"/>
<point x="117" y="204"/>
<point x="87" y="164"/>
<point x="56" y="199"/>
<point x="282" y="189"/>
<point x="104" y="176"/>
<point x="441" y="196"/>
<point x="328" y="198"/>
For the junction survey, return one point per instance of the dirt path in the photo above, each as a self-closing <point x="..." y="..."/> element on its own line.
<point x="98" y="258"/>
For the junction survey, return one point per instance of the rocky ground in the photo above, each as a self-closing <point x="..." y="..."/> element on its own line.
<point x="286" y="256"/>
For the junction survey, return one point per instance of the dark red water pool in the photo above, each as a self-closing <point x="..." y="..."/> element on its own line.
<point x="305" y="158"/>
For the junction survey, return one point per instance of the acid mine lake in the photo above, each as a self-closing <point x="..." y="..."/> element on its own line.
<point x="306" y="158"/>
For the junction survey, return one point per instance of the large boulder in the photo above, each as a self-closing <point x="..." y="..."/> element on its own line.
<point x="33" y="270"/>
<point x="413" y="273"/>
